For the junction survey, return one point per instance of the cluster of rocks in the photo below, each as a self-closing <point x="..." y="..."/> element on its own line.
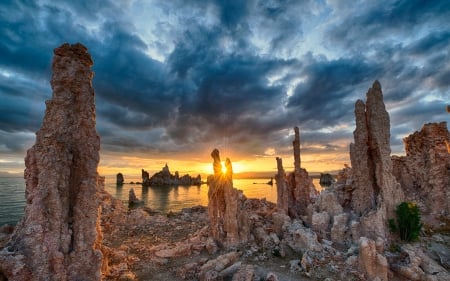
<point x="165" y="177"/>
<point x="344" y="229"/>
<point x="74" y="230"/>
<point x="295" y="191"/>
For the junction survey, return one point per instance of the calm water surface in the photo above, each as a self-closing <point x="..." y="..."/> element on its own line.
<point x="162" y="198"/>
<point x="12" y="199"/>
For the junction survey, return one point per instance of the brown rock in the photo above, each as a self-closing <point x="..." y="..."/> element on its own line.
<point x="373" y="264"/>
<point x="245" y="273"/>
<point x="224" y="204"/>
<point x="340" y="230"/>
<point x="297" y="188"/>
<point x="59" y="237"/>
<point x="282" y="188"/>
<point x="424" y="173"/>
<point x="375" y="187"/>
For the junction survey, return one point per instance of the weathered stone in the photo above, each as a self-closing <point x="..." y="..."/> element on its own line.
<point x="59" y="237"/>
<point x="320" y="223"/>
<point x="297" y="188"/>
<point x="414" y="264"/>
<point x="373" y="264"/>
<point x="374" y="182"/>
<point x="282" y="188"/>
<point x="271" y="277"/>
<point x="328" y="202"/>
<point x="132" y="198"/>
<point x="343" y="187"/>
<point x="424" y="173"/>
<point x="245" y="273"/>
<point x="279" y="219"/>
<point x="300" y="238"/>
<point x="340" y="229"/>
<point x="224" y="204"/>
<point x="218" y="264"/>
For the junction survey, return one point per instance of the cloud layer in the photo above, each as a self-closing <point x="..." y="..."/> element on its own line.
<point x="183" y="77"/>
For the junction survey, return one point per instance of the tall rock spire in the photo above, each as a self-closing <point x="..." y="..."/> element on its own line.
<point x="296" y="145"/>
<point x="59" y="237"/>
<point x="376" y="188"/>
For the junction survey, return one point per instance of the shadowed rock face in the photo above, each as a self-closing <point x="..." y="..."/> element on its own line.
<point x="424" y="173"/>
<point x="370" y="156"/>
<point x="224" y="203"/>
<point x="59" y="237"/>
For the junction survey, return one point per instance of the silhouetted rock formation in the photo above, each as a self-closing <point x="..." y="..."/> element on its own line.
<point x="132" y="199"/>
<point x="424" y="173"/>
<point x="376" y="191"/>
<point x="119" y="179"/>
<point x="224" y="203"/>
<point x="145" y="178"/>
<point x="59" y="237"/>
<point x="300" y="188"/>
<point x="164" y="177"/>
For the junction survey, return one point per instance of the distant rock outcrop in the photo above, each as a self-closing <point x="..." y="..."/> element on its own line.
<point x="59" y="237"/>
<point x="164" y="177"/>
<point x="119" y="179"/>
<point x="424" y="173"/>
<point x="145" y="178"/>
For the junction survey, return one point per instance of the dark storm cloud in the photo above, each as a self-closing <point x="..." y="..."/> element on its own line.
<point x="386" y="19"/>
<point x="230" y="91"/>
<point x="239" y="73"/>
<point x="327" y="93"/>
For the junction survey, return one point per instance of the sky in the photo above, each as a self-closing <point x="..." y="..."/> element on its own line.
<point x="176" y="79"/>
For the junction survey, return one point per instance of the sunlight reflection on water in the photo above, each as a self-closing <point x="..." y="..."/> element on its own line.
<point x="175" y="198"/>
<point x="162" y="198"/>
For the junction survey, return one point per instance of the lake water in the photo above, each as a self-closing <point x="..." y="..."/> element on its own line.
<point x="164" y="198"/>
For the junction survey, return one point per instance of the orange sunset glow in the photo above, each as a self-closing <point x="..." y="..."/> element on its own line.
<point x="131" y="166"/>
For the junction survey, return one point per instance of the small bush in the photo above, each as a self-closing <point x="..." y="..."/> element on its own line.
<point x="408" y="221"/>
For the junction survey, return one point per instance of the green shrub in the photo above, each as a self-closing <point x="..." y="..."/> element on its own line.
<point x="408" y="221"/>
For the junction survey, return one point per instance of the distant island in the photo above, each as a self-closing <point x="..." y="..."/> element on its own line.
<point x="164" y="177"/>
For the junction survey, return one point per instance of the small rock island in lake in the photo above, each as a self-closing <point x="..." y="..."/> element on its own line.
<point x="164" y="177"/>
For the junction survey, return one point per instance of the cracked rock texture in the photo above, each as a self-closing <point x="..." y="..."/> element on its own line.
<point x="59" y="237"/>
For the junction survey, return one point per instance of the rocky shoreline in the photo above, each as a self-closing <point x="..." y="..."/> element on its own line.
<point x="74" y="230"/>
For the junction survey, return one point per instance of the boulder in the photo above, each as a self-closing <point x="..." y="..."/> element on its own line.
<point x="300" y="238"/>
<point x="372" y="263"/>
<point x="340" y="229"/>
